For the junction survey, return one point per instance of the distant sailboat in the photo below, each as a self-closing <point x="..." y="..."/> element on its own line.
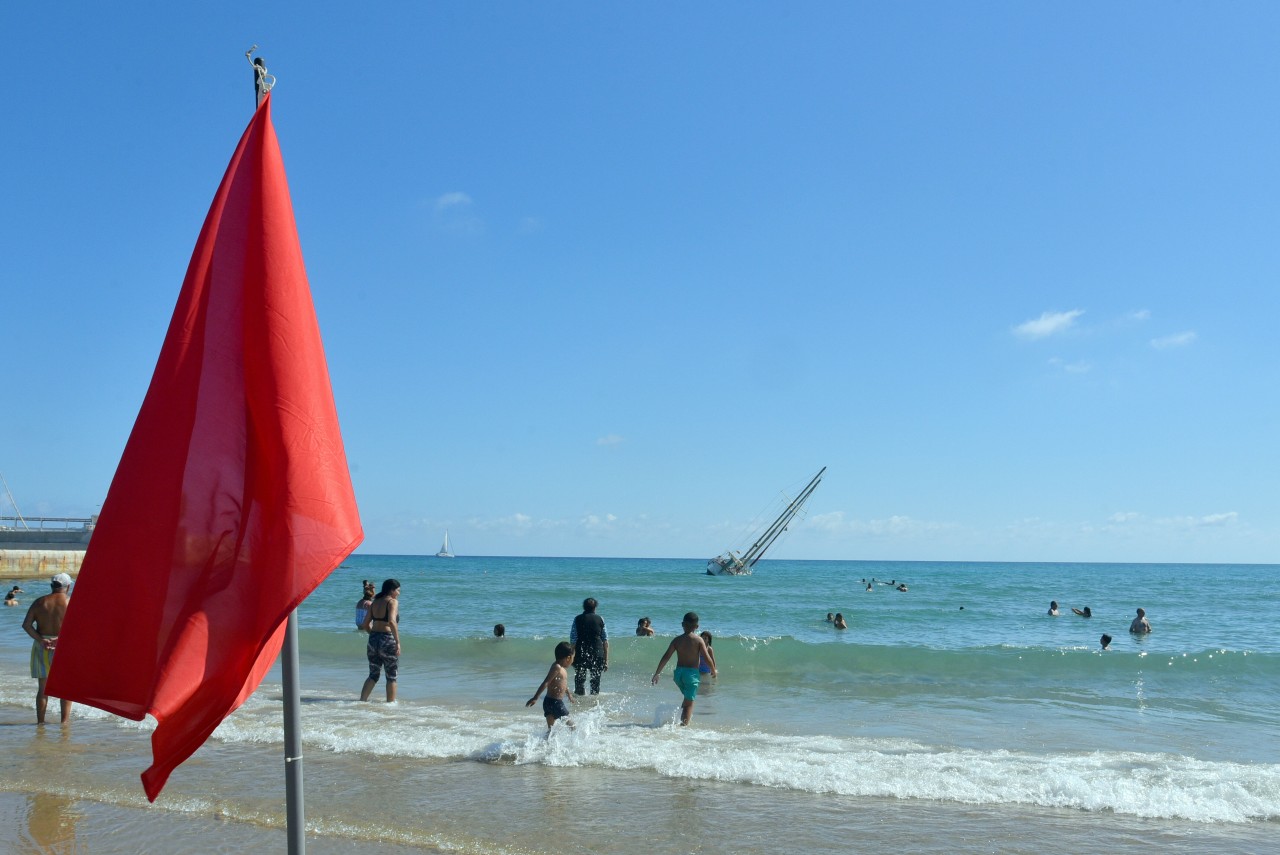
<point x="731" y="563"/>
<point x="445" y="551"/>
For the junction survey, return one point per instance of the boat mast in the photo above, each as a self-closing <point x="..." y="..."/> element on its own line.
<point x="16" y="512"/>
<point x="773" y="532"/>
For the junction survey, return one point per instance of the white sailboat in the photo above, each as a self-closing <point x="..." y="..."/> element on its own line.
<point x="445" y="551"/>
<point x="733" y="563"/>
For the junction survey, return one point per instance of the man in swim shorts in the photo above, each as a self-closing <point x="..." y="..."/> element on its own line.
<point x="43" y="623"/>
<point x="688" y="648"/>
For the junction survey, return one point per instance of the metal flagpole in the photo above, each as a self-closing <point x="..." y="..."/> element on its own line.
<point x="295" y="813"/>
<point x="296" y="816"/>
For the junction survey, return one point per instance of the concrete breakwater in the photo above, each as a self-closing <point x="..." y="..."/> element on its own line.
<point x="35" y="563"/>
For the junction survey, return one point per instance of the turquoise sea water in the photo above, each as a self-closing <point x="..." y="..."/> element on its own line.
<point x="954" y="717"/>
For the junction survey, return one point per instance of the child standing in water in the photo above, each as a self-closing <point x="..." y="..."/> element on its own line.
<point x="688" y="648"/>
<point x="705" y="662"/>
<point x="556" y="704"/>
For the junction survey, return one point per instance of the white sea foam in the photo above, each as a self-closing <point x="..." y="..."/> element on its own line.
<point x="607" y="736"/>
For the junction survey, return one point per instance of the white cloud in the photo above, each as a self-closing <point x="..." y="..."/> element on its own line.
<point x="455" y="213"/>
<point x="897" y="525"/>
<point x="1182" y="523"/>
<point x="451" y="200"/>
<point x="1049" y="323"/>
<point x="1141" y="315"/>
<point x="1214" y="520"/>
<point x="1077" y="367"/>
<point x="514" y="524"/>
<point x="529" y="226"/>
<point x="611" y="439"/>
<point x="1181" y="339"/>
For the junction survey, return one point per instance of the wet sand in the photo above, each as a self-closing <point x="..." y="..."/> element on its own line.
<point x="55" y="823"/>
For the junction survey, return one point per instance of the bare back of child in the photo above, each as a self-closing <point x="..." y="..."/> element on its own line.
<point x="556" y="704"/>
<point x="688" y="649"/>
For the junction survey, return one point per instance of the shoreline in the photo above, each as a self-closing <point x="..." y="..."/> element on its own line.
<point x="993" y="730"/>
<point x="56" y="822"/>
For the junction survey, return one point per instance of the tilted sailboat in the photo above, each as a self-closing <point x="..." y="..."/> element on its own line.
<point x="445" y="551"/>
<point x="731" y="563"/>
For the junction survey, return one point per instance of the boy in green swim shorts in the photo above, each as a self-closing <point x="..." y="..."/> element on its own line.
<point x="687" y="648"/>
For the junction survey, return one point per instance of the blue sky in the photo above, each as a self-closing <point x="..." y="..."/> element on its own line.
<point x="604" y="279"/>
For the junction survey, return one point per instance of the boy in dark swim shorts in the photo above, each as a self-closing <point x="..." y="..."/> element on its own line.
<point x="556" y="704"/>
<point x="689" y="649"/>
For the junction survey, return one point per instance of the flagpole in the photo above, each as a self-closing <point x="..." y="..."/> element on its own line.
<point x="295" y="809"/>
<point x="294" y="812"/>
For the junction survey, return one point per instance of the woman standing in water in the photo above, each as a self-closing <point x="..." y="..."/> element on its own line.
<point x="383" y="649"/>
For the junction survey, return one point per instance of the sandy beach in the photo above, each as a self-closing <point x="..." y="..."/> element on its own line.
<point x="49" y="822"/>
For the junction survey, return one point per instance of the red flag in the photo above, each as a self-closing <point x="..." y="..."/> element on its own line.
<point x="232" y="500"/>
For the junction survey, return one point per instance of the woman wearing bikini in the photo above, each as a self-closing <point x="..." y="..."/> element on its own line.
<point x="383" y="649"/>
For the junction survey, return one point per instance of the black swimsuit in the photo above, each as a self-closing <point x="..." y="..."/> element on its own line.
<point x="386" y="616"/>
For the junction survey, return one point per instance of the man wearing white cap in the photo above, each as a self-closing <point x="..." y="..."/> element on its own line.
<point x="43" y="623"/>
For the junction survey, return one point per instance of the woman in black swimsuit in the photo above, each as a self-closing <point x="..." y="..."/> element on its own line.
<point x="383" y="648"/>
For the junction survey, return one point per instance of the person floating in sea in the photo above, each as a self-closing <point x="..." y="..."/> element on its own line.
<point x="499" y="630"/>
<point x="707" y="662"/>
<point x="1105" y="641"/>
<point x="689" y="649"/>
<point x="870" y="590"/>
<point x="11" y="598"/>
<point x="43" y="623"/>
<point x="830" y="617"/>
<point x="590" y="642"/>
<point x="1085" y="613"/>
<point x="383" y="649"/>
<point x="362" y="607"/>
<point x="556" y="704"/>
<point x="1053" y="608"/>
<point x="1140" y="624"/>
<point x="902" y="587"/>
<point x="839" y="621"/>
<point x="644" y="628"/>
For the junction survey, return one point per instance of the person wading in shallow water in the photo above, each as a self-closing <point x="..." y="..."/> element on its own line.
<point x="383" y="648"/>
<point x="590" y="642"/>
<point x="43" y="623"/>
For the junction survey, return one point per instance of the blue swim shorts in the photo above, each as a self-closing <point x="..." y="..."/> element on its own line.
<point x="688" y="679"/>
<point x="555" y="707"/>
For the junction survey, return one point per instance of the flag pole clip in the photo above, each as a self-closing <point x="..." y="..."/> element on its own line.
<point x="262" y="81"/>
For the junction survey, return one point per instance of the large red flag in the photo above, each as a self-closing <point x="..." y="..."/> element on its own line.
<point x="232" y="500"/>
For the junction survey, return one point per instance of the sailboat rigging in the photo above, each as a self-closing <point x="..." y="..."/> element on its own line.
<point x="731" y="563"/>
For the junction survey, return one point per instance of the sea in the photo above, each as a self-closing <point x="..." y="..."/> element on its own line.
<point x="956" y="716"/>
